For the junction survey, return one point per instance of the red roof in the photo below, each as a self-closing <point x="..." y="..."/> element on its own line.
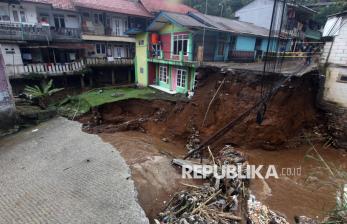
<point x="119" y="6"/>
<point x="166" y="5"/>
<point x="58" y="4"/>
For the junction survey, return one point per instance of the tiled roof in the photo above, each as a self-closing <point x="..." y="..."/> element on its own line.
<point x="58" y="4"/>
<point x="120" y="6"/>
<point x="129" y="7"/>
<point x="154" y="6"/>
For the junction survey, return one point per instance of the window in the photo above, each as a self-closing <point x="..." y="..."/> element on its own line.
<point x="180" y="44"/>
<point x="181" y="77"/>
<point x="100" y="48"/>
<point x="22" y="16"/>
<point x="117" y="27"/>
<point x="163" y="77"/>
<point x="98" y="18"/>
<point x="222" y="41"/>
<point x="15" y="16"/>
<point x="141" y="42"/>
<point x="59" y="21"/>
<point x="10" y="51"/>
<point x="220" y="50"/>
<point x="141" y="70"/>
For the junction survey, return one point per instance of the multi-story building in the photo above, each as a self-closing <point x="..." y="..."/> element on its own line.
<point x="52" y="37"/>
<point x="334" y="66"/>
<point x="7" y="107"/>
<point x="291" y="20"/>
<point x="176" y="44"/>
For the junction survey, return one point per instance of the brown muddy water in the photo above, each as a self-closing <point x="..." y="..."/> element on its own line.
<point x="157" y="180"/>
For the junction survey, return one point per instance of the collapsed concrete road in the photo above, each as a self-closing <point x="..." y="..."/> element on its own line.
<point x="55" y="173"/>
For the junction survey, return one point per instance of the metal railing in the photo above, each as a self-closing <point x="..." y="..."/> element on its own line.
<point x="22" y="31"/>
<point x="66" y="33"/>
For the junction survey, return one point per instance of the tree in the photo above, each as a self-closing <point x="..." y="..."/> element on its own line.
<point x="226" y="8"/>
<point x="42" y="93"/>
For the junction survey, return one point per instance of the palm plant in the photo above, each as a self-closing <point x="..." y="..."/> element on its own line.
<point x="42" y="94"/>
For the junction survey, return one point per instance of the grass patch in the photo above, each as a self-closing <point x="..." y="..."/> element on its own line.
<point x="80" y="104"/>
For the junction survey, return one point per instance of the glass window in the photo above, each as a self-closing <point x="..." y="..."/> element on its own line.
<point x="100" y="48"/>
<point x="181" y="78"/>
<point x="163" y="76"/>
<point x="15" y="16"/>
<point x="181" y="44"/>
<point x="59" y="21"/>
<point x="22" y="16"/>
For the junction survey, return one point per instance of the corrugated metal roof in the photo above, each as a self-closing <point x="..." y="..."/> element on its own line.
<point x="175" y="18"/>
<point x="230" y="25"/>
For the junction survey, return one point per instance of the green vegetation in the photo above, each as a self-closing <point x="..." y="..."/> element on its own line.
<point x="41" y="94"/>
<point x="78" y="105"/>
<point x="226" y="8"/>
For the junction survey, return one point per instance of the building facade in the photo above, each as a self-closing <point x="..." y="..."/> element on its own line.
<point x="7" y="107"/>
<point x="334" y="66"/>
<point x="175" y="45"/>
<point x="297" y="23"/>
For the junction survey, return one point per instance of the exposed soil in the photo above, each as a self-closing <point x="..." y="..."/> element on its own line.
<point x="158" y="130"/>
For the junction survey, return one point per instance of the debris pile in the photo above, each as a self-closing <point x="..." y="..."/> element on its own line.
<point x="193" y="141"/>
<point x="217" y="201"/>
<point x="261" y="214"/>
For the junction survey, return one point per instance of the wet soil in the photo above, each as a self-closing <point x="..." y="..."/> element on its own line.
<point x="290" y="113"/>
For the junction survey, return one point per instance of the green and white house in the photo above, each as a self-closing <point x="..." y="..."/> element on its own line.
<point x="174" y="45"/>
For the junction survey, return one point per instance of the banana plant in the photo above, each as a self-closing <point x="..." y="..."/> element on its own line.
<point x="42" y="93"/>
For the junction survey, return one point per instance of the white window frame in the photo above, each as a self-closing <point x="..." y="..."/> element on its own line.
<point x="181" y="79"/>
<point x="180" y="38"/>
<point x="100" y="48"/>
<point x="163" y="74"/>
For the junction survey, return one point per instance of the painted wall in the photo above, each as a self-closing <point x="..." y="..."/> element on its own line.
<point x="334" y="90"/>
<point x="244" y="43"/>
<point x="259" y="12"/>
<point x="338" y="54"/>
<point x="11" y="54"/>
<point x="141" y="65"/>
<point x="29" y="11"/>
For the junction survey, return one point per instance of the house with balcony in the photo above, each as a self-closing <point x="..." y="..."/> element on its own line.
<point x="297" y="24"/>
<point x="333" y="63"/>
<point x="175" y="45"/>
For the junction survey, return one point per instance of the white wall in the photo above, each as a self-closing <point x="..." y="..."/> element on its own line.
<point x="335" y="91"/>
<point x="259" y="12"/>
<point x="9" y="58"/>
<point x="338" y="54"/>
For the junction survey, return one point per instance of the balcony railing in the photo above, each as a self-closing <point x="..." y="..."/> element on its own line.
<point x="22" y="31"/>
<point x="63" y="68"/>
<point x="66" y="33"/>
<point x="109" y="61"/>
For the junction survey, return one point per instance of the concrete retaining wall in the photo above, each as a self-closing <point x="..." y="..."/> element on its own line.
<point x="7" y="107"/>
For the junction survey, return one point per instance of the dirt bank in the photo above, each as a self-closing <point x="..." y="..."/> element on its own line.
<point x="158" y="130"/>
<point x="291" y="110"/>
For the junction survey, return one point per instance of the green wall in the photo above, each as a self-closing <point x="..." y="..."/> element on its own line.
<point x="141" y="65"/>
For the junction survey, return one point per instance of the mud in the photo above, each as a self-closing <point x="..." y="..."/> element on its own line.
<point x="164" y="127"/>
